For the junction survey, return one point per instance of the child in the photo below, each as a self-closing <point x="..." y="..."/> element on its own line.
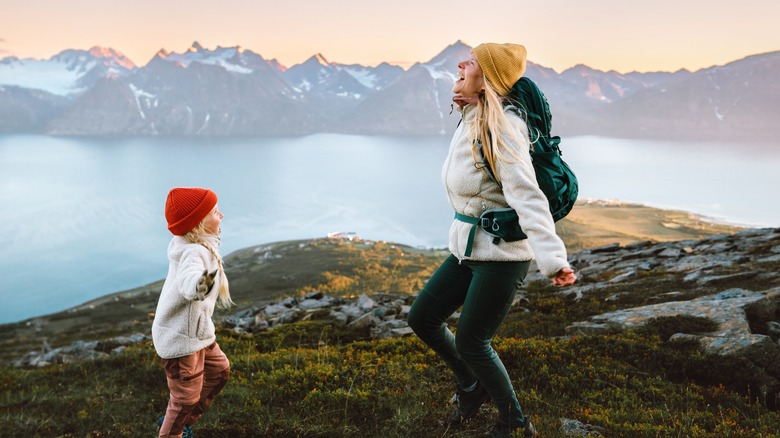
<point x="182" y="331"/>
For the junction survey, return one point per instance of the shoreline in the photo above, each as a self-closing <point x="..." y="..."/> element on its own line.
<point x="699" y="216"/>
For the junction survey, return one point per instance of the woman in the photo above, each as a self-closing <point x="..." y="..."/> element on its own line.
<point x="480" y="275"/>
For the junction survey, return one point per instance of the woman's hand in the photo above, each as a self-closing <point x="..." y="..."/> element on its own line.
<point x="463" y="101"/>
<point x="564" y="277"/>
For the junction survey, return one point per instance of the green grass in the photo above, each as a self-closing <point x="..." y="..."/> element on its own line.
<point x="633" y="385"/>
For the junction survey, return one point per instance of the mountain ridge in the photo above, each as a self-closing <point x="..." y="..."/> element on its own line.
<point x="731" y="102"/>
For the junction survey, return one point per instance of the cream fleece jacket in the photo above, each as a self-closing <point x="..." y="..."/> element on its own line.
<point x="471" y="191"/>
<point x="182" y="323"/>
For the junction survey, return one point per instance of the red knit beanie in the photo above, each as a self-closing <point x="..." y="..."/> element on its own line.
<point x="186" y="207"/>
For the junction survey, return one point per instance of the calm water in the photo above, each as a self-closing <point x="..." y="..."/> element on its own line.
<point x="86" y="215"/>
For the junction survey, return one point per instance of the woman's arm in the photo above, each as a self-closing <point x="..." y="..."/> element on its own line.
<point x="523" y="194"/>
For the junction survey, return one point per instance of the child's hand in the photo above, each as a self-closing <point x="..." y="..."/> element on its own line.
<point x="205" y="283"/>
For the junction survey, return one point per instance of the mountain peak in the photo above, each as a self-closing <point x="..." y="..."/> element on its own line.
<point x="459" y="44"/>
<point x="319" y="59"/>
<point x="195" y="47"/>
<point x="109" y="53"/>
<point x="451" y="55"/>
<point x="103" y="52"/>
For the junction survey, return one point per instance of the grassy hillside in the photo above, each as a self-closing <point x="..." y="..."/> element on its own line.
<point x="267" y="272"/>
<point x="315" y="379"/>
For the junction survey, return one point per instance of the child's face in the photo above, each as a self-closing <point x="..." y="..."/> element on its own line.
<point x="212" y="220"/>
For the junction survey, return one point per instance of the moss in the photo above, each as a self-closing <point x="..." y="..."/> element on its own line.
<point x="666" y="326"/>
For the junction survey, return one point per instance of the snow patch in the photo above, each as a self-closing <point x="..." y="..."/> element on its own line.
<point x="364" y="76"/>
<point x="139" y="93"/>
<point x="217" y="57"/>
<point x="441" y="74"/>
<point x="205" y="124"/>
<point x="52" y="76"/>
<point x="355" y="96"/>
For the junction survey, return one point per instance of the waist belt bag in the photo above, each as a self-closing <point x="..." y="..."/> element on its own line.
<point x="501" y="223"/>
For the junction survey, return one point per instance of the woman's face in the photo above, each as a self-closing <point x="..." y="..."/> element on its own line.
<point x="471" y="80"/>
<point x="212" y="220"/>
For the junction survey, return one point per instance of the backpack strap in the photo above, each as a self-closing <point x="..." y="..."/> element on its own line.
<point x="474" y="221"/>
<point x="483" y="163"/>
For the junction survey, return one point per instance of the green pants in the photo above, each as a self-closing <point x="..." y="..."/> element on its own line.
<point x="485" y="290"/>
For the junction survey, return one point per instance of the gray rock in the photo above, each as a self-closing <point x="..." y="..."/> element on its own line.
<point x="722" y="279"/>
<point x="365" y="303"/>
<point x="671" y="253"/>
<point x="576" y="428"/>
<point x="340" y="318"/>
<point x="624" y="276"/>
<point x="312" y="303"/>
<point x="364" y="321"/>
<point x="275" y="309"/>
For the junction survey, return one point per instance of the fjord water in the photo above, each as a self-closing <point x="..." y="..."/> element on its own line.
<point x="84" y="216"/>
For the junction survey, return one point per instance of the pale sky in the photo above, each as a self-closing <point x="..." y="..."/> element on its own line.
<point x="622" y="35"/>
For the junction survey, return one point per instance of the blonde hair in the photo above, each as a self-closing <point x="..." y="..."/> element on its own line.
<point x="196" y="235"/>
<point x="494" y="130"/>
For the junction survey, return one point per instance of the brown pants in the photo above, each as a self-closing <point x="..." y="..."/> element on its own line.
<point x="194" y="381"/>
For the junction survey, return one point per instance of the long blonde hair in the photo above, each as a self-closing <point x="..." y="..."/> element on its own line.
<point x="494" y="130"/>
<point x="202" y="236"/>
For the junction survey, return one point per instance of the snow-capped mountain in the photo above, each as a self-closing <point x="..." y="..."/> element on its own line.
<point x="233" y="59"/>
<point x="334" y="89"/>
<point x="328" y="80"/>
<point x="67" y="73"/>
<point x="374" y="78"/>
<point x="235" y="91"/>
<point x="417" y="102"/>
<point x="317" y="76"/>
<point x="612" y="86"/>
<point x="737" y="101"/>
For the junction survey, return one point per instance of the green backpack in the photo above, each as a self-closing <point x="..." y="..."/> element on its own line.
<point x="554" y="176"/>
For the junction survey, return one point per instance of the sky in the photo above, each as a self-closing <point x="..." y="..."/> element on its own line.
<point x="621" y="35"/>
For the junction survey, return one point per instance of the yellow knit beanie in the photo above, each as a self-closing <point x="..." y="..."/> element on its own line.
<point x="503" y="64"/>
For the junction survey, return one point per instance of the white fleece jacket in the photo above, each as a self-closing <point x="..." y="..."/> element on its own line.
<point x="182" y="323"/>
<point x="471" y="191"/>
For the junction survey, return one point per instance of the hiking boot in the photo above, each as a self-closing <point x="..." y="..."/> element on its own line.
<point x="503" y="430"/>
<point x="467" y="403"/>
<point x="187" y="433"/>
